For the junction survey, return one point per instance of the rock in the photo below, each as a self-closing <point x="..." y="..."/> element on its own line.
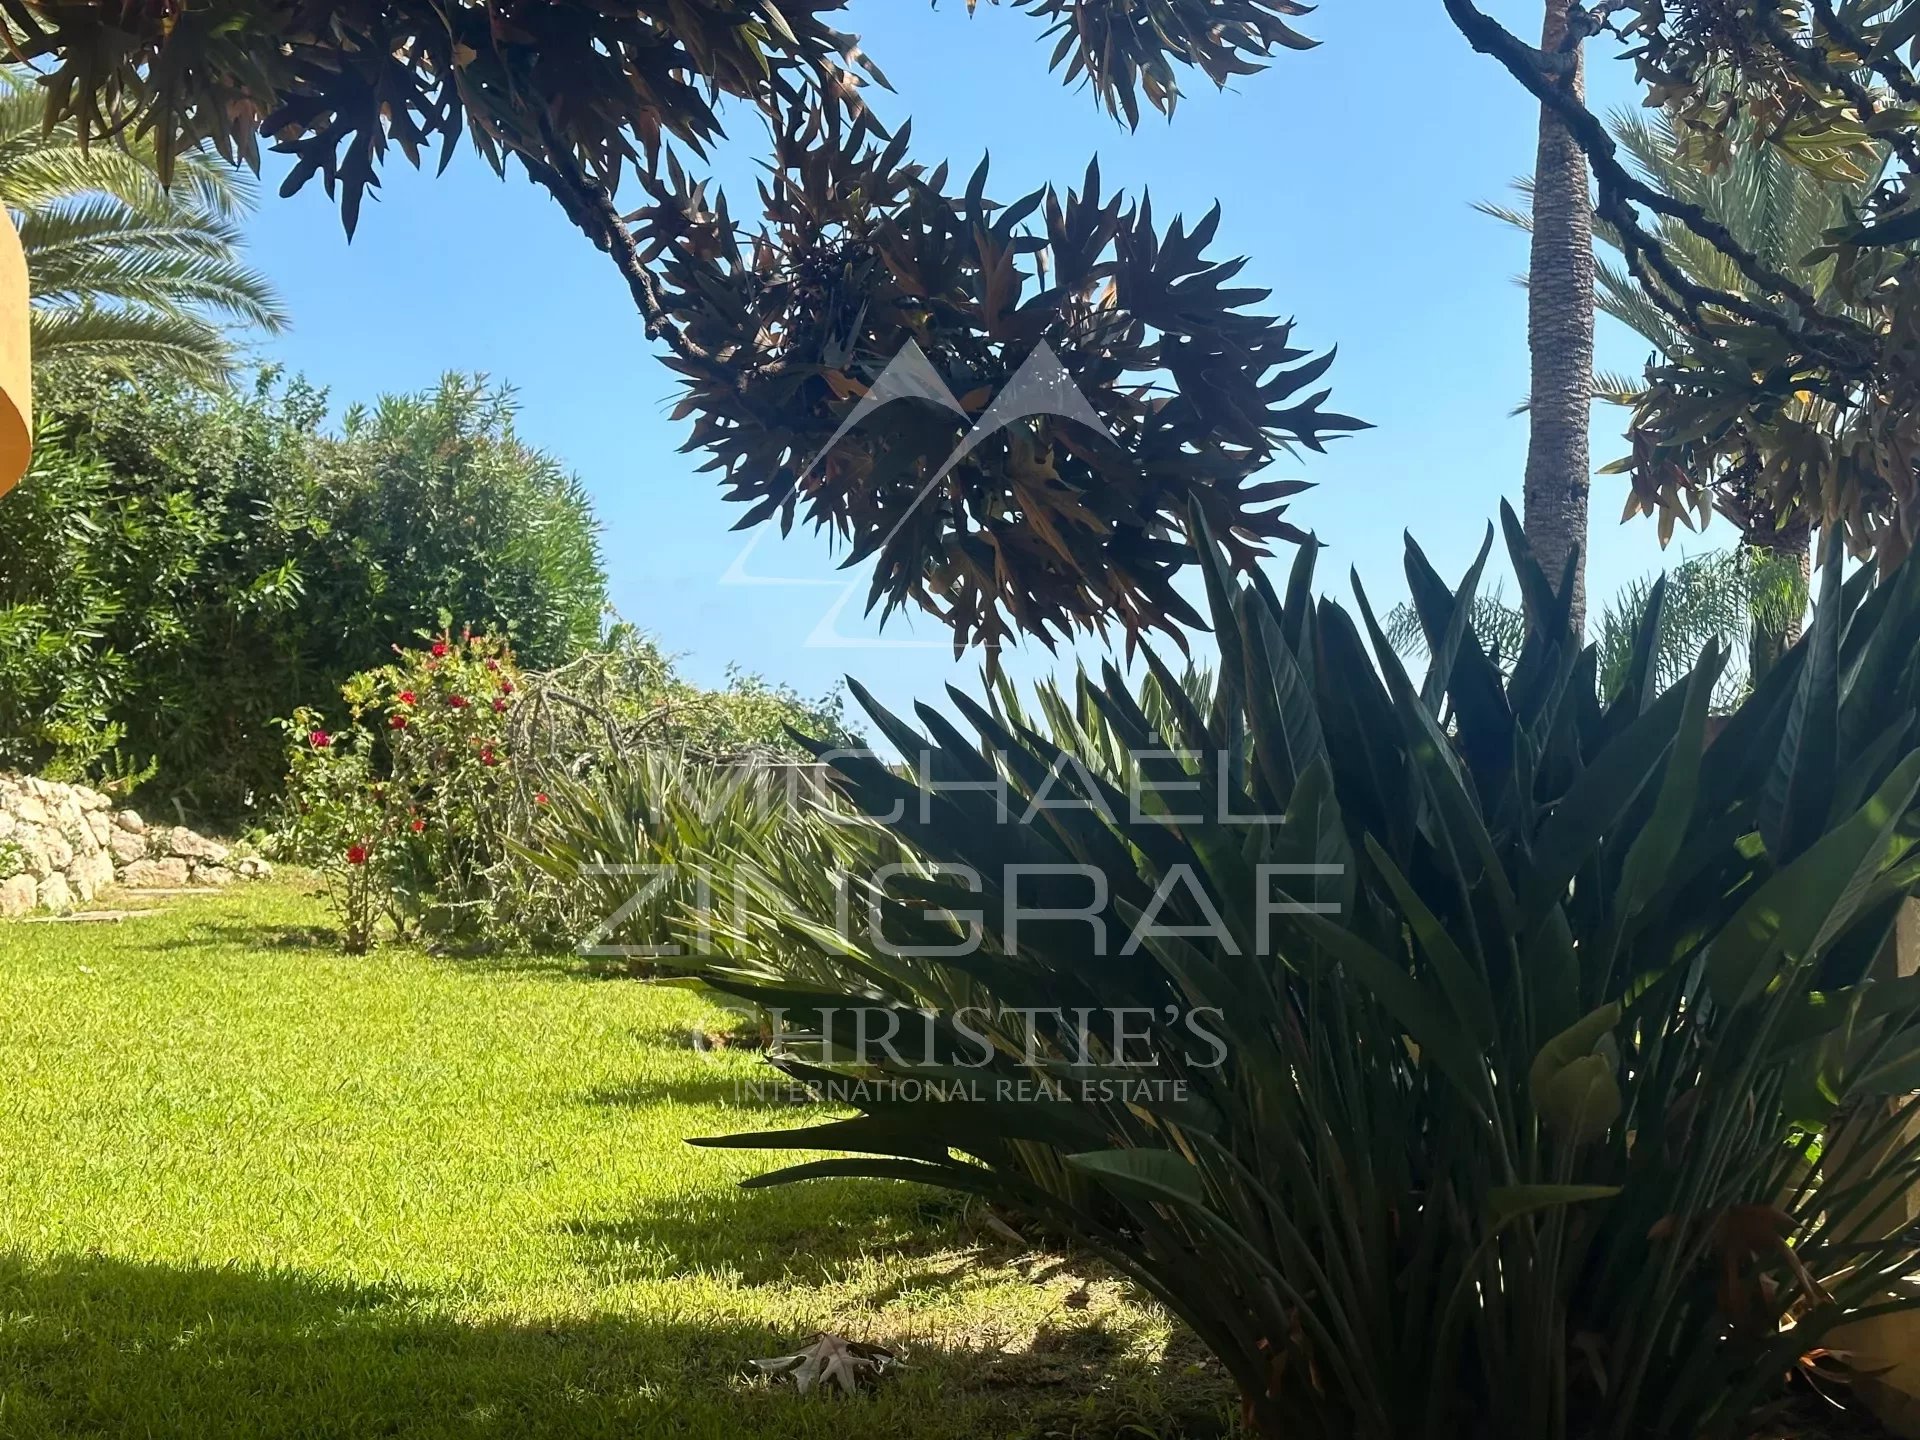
<point x="127" y="846"/>
<point x="32" y="810"/>
<point x="254" y="868"/>
<point x="71" y="819"/>
<point x="186" y="845"/>
<point x="54" y="894"/>
<point x="91" y="801"/>
<point x="90" y="874"/>
<point x="130" y="821"/>
<point x="59" y="851"/>
<point x="18" y="895"/>
<point x="32" y="843"/>
<point x="99" y="828"/>
<point x="216" y="875"/>
<point x="155" y="875"/>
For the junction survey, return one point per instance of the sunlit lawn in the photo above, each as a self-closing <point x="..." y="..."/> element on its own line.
<point x="251" y="1187"/>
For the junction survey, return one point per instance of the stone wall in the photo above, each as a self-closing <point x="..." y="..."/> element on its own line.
<point x="61" y="845"/>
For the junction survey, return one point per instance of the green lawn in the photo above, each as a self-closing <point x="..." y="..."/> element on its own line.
<point x="251" y="1187"/>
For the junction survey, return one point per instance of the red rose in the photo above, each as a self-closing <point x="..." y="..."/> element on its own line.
<point x="541" y="798"/>
<point x="486" y="755"/>
<point x="458" y="702"/>
<point x="406" y="697"/>
<point x="499" y="706"/>
<point x="506" y="687"/>
<point x="356" y="854"/>
<point x="438" y="649"/>
<point x="320" y="740"/>
<point x="493" y="664"/>
<point x="398" y="722"/>
<point x="417" y="826"/>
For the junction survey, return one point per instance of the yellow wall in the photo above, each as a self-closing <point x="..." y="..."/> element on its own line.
<point x="16" y="360"/>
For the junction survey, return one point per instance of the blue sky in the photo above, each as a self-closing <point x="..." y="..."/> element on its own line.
<point x="1347" y="175"/>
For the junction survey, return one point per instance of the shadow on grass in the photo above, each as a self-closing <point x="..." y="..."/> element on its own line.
<point x="249" y="935"/>
<point x="96" y="1346"/>
<point x="810" y="1235"/>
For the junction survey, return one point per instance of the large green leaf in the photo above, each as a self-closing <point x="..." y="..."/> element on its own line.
<point x="1807" y="903"/>
<point x="1158" y="1174"/>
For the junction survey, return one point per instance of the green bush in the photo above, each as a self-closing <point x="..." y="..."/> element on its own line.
<point x="407" y="810"/>
<point x="1523" y="1069"/>
<point x="180" y="571"/>
<point x="473" y="802"/>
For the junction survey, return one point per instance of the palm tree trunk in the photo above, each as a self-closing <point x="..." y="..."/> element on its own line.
<point x="1560" y="338"/>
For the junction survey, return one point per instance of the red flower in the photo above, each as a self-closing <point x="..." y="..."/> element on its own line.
<point x="458" y="702"/>
<point x="320" y="740"/>
<point x="486" y="754"/>
<point x="438" y="649"/>
<point x="417" y="826"/>
<point x="541" y="798"/>
<point x="493" y="664"/>
<point x="506" y="687"/>
<point x="406" y="697"/>
<point x="398" y="722"/>
<point x="356" y="854"/>
<point x="498" y="706"/>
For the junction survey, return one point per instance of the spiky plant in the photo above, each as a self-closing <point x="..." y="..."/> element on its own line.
<point x="1726" y="596"/>
<point x="1459" y="1057"/>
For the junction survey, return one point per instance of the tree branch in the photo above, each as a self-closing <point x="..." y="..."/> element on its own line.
<point x="1834" y="76"/>
<point x="1851" y="342"/>
<point x="589" y="205"/>
<point x="1899" y="79"/>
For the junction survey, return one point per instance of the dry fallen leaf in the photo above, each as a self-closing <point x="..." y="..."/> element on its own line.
<point x="829" y="1361"/>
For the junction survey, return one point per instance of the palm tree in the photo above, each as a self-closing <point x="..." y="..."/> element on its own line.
<point x="124" y="271"/>
<point x="1723" y="595"/>
<point x="1780" y="210"/>
<point x="1560" y="337"/>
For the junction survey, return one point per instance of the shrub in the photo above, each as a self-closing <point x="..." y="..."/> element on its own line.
<point x="478" y="798"/>
<point x="408" y="808"/>
<point x="659" y="856"/>
<point x="1521" y="1069"/>
<point x="179" y="571"/>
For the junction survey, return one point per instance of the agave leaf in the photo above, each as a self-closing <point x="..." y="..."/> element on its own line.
<point x="1157" y="1174"/>
<point x="1446" y="618"/>
<point x="1658" y="843"/>
<point x="1805" y="903"/>
<point x="1800" y="786"/>
<point x="1590" y="812"/>
<point x="1507" y="1203"/>
<point x="1466" y="987"/>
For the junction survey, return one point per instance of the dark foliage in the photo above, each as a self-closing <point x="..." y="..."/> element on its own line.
<point x="1047" y="522"/>
<point x="178" y="571"/>
<point x="1546" y="1080"/>
<point x="1044" y="527"/>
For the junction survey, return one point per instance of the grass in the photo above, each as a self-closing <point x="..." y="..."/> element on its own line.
<point x="251" y="1187"/>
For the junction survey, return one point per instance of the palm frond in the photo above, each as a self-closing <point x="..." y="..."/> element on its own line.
<point x="128" y="340"/>
<point x="122" y="269"/>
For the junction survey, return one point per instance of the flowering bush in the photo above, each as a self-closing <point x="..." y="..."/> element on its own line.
<point x="408" y="810"/>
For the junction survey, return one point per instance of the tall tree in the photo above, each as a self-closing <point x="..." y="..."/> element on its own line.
<point x="1810" y="396"/>
<point x="1560" y="328"/>
<point x="125" y="271"/>
<point x="1780" y="210"/>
